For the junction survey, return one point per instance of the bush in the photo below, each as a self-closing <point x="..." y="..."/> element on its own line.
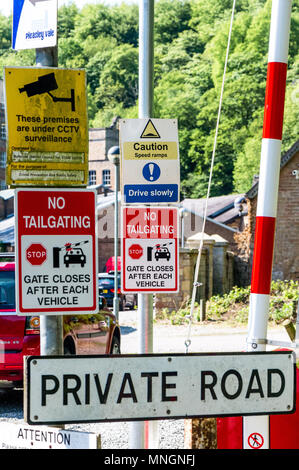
<point x="179" y="316"/>
<point x="235" y="304"/>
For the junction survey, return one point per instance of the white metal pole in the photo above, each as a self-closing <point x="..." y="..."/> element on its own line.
<point x="258" y="426"/>
<point x="144" y="434"/>
<point x="51" y="326"/>
<point x="113" y="157"/>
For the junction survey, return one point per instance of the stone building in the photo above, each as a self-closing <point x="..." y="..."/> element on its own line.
<point x="286" y="247"/>
<point x="101" y="170"/>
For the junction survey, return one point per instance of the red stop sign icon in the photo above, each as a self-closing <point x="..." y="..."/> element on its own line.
<point x="36" y="254"/>
<point x="135" y="251"/>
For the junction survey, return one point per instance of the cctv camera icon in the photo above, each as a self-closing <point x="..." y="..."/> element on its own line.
<point x="46" y="84"/>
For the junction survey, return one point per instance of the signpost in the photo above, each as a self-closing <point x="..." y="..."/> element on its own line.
<point x="34" y="24"/>
<point x="46" y="114"/>
<point x="56" y="251"/>
<point x="150" y="160"/>
<point x="168" y="386"/>
<point x="150" y="249"/>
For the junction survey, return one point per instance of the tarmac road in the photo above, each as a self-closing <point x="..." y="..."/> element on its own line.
<point x="205" y="338"/>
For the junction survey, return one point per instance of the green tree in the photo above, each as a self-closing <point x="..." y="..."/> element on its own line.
<point x="66" y="20"/>
<point x="5" y="33"/>
<point x="171" y="18"/>
<point x="119" y="78"/>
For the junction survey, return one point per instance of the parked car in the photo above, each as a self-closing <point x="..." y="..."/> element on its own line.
<point x="20" y="335"/>
<point x="106" y="289"/>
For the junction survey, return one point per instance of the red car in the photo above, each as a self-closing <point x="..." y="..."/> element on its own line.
<point x="19" y="335"/>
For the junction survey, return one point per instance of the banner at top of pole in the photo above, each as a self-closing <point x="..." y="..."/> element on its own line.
<point x="34" y="24"/>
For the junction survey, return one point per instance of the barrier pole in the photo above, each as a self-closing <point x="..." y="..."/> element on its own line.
<point x="256" y="428"/>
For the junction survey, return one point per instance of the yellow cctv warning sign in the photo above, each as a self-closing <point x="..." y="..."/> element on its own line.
<point x="46" y="111"/>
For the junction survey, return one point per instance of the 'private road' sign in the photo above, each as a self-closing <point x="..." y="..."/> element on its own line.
<point x="34" y="24"/>
<point x="150" y="249"/>
<point x="141" y="387"/>
<point x="56" y="251"/>
<point x="46" y="113"/>
<point x="150" y="165"/>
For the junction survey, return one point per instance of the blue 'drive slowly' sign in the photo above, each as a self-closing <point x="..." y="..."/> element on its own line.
<point x="151" y="193"/>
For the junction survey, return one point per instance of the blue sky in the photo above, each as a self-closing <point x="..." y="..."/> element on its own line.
<point x="6" y="5"/>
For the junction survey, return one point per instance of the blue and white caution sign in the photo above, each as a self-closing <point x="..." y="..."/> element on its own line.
<point x="34" y="24"/>
<point x="150" y="161"/>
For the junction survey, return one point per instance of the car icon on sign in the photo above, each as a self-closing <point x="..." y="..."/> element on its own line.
<point x="74" y="256"/>
<point x="162" y="252"/>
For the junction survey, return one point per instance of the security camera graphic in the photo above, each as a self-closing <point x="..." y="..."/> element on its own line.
<point x="46" y="84"/>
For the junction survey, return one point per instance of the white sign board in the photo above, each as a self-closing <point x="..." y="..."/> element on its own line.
<point x="150" y="166"/>
<point x="142" y="387"/>
<point x="34" y="24"/>
<point x="150" y="249"/>
<point x="19" y="436"/>
<point x="56" y="251"/>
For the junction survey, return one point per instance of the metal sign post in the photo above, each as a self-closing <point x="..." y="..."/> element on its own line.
<point x="256" y="429"/>
<point x="139" y="431"/>
<point x="51" y="326"/>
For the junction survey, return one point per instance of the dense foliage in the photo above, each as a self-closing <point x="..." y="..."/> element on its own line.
<point x="234" y="306"/>
<point x="190" y="47"/>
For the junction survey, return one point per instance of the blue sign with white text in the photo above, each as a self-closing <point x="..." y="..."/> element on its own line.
<point x="150" y="193"/>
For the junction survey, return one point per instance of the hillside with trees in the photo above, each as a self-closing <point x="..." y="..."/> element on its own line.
<point x="190" y="47"/>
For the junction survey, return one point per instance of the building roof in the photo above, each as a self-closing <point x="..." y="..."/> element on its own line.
<point x="7" y="230"/>
<point x="7" y="194"/>
<point x="284" y="160"/>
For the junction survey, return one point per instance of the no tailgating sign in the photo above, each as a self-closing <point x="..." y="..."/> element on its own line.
<point x="150" y="249"/>
<point x="56" y="251"/>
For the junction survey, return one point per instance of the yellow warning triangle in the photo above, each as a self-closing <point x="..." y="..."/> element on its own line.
<point x="150" y="131"/>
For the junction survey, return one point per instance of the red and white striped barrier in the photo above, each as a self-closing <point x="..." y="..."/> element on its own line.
<point x="268" y="194"/>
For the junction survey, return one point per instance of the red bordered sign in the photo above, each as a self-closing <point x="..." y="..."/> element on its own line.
<point x="255" y="440"/>
<point x="150" y="249"/>
<point x="56" y="251"/>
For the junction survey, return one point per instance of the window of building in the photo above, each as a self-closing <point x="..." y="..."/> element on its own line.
<point x="106" y="177"/>
<point x="92" y="177"/>
<point x="2" y="159"/>
<point x="3" y="132"/>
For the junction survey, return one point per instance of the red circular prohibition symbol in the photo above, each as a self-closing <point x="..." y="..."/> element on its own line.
<point x="255" y="440"/>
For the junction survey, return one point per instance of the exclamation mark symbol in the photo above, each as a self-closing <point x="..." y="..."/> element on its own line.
<point x="151" y="171"/>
